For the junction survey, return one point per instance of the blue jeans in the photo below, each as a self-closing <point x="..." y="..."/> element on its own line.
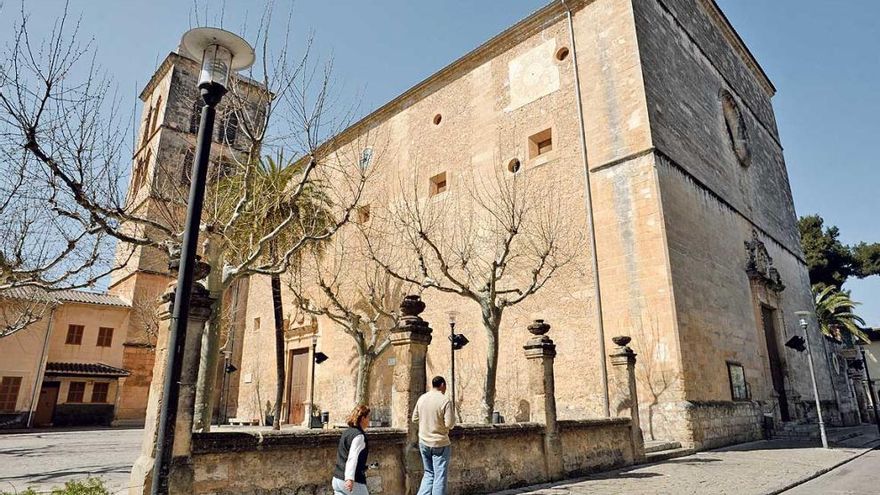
<point x="436" y="463"/>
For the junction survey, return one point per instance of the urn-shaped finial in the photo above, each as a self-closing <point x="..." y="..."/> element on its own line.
<point x="412" y="305"/>
<point x="621" y="340"/>
<point x="539" y="327"/>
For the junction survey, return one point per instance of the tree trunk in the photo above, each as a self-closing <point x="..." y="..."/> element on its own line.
<point x="279" y="350"/>
<point x="365" y="369"/>
<point x="208" y="361"/>
<point x="491" y="322"/>
<point x="210" y="354"/>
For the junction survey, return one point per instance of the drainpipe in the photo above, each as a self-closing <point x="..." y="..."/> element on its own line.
<point x="41" y="366"/>
<point x="588" y="205"/>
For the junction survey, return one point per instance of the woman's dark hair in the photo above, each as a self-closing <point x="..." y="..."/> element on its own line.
<point x="359" y="412"/>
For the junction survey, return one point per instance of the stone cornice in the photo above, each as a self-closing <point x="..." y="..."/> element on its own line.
<point x="738" y="44"/>
<point x="535" y="22"/>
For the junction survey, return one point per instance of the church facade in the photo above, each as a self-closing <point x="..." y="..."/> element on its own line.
<point x="659" y="111"/>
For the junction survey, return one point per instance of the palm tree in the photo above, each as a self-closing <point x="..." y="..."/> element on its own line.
<point x="281" y="193"/>
<point x="835" y="313"/>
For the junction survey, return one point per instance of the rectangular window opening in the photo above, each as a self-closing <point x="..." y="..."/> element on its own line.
<point x="438" y="184"/>
<point x="540" y="143"/>
<point x="74" y="334"/>
<point x="256" y="323"/>
<point x="76" y="393"/>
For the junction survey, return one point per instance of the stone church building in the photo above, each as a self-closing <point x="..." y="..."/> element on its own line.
<point x="664" y="107"/>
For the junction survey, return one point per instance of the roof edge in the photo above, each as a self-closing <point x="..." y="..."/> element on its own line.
<point x="528" y="25"/>
<point x="739" y="44"/>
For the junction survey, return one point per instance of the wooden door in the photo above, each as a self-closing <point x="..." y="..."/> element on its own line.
<point x="777" y="373"/>
<point x="46" y="403"/>
<point x="298" y="385"/>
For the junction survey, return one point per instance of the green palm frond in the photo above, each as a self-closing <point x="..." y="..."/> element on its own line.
<point x="275" y="195"/>
<point x="835" y="312"/>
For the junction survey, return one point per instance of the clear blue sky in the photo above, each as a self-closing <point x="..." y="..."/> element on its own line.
<point x="823" y="56"/>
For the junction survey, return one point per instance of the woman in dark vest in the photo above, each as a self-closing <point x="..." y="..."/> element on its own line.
<point x="350" y="474"/>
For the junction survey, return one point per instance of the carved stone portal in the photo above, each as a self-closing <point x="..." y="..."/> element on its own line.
<point x="759" y="265"/>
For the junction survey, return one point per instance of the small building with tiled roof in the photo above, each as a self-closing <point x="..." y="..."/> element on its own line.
<point x="66" y="366"/>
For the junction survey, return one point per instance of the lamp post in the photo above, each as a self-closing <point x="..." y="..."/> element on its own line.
<point x="317" y="358"/>
<point x="228" y="369"/>
<point x="220" y="52"/>
<point x="803" y="315"/>
<point x="456" y="342"/>
<point x="870" y="385"/>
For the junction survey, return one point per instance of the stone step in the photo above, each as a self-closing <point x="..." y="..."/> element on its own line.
<point x="665" y="455"/>
<point x="660" y="445"/>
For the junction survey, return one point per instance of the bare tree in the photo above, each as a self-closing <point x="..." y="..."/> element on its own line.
<point x="496" y="241"/>
<point x="347" y="287"/>
<point x="59" y="141"/>
<point x="652" y="371"/>
<point x="64" y="191"/>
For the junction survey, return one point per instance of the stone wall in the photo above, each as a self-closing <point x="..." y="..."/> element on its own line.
<point x="718" y="423"/>
<point x="485" y="458"/>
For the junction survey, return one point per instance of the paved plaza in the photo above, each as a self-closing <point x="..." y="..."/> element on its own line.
<point x="46" y="459"/>
<point x="755" y="468"/>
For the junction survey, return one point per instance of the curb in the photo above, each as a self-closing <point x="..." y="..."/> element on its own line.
<point x="822" y="471"/>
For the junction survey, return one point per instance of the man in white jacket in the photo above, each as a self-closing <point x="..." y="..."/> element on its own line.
<point x="436" y="416"/>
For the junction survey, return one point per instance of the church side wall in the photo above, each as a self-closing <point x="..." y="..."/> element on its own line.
<point x="488" y="113"/>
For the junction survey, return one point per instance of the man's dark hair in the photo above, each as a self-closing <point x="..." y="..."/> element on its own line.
<point x="438" y="381"/>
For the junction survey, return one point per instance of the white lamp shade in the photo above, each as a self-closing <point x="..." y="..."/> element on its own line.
<point x="219" y="52"/>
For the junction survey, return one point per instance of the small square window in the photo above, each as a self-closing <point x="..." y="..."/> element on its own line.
<point x="363" y="214"/>
<point x="438" y="184"/>
<point x="105" y="337"/>
<point x="76" y="393"/>
<point x="739" y="389"/>
<point x="74" y="334"/>
<point x="540" y="143"/>
<point x="100" y="391"/>
<point x="256" y="323"/>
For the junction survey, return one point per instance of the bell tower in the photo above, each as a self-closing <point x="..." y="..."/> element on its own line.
<point x="158" y="187"/>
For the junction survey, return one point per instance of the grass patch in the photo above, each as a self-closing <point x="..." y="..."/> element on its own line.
<point x="89" y="486"/>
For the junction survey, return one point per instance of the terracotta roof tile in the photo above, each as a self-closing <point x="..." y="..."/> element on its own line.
<point x="84" y="369"/>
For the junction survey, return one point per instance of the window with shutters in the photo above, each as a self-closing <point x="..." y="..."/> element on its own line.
<point x="99" y="392"/>
<point x="76" y="393"/>
<point x="105" y="337"/>
<point x="9" y="388"/>
<point x="74" y="334"/>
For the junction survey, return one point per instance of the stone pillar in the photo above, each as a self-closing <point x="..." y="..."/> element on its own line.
<point x="623" y="393"/>
<point x="410" y="341"/>
<point x="540" y="352"/>
<point x="142" y="471"/>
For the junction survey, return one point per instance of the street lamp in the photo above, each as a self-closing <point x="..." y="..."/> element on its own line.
<point x="318" y="358"/>
<point x="220" y="52"/>
<point x="870" y="385"/>
<point x="456" y="341"/>
<point x="803" y="315"/>
<point x="228" y="369"/>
